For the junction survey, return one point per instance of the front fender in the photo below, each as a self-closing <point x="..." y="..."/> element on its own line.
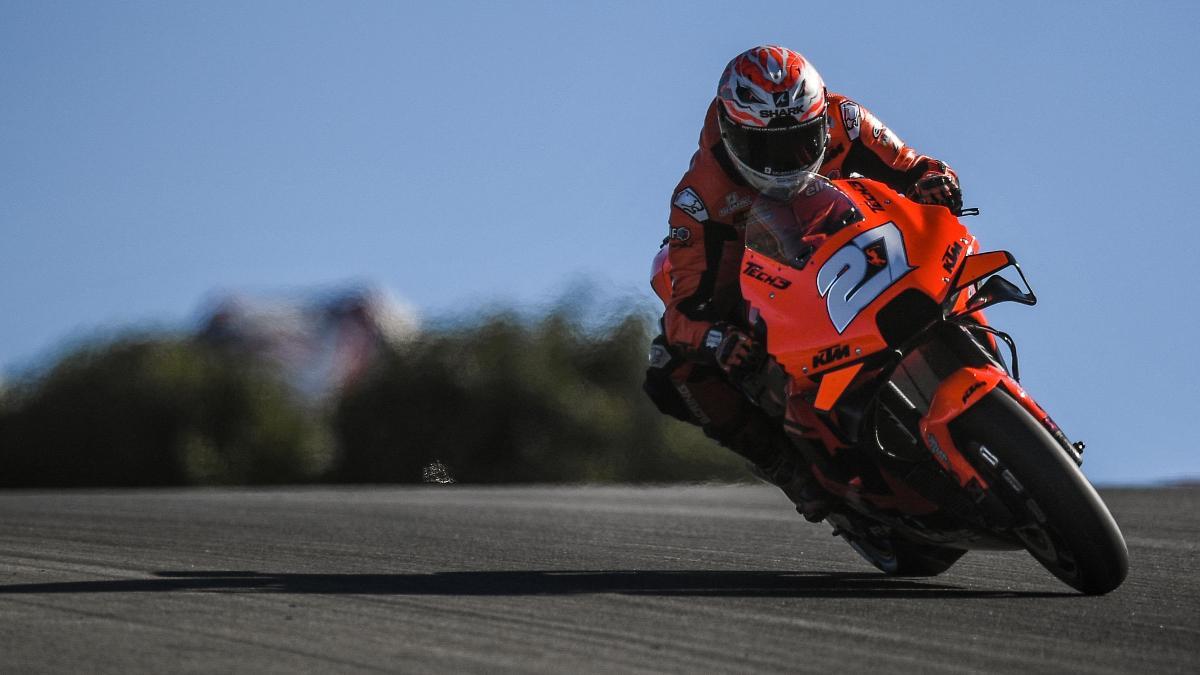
<point x="953" y="397"/>
<point x="963" y="389"/>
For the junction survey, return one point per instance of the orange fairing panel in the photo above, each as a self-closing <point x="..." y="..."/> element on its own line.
<point x="978" y="266"/>
<point x="833" y="385"/>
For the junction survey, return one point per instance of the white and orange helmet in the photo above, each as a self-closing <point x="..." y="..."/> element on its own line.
<point x="772" y="117"/>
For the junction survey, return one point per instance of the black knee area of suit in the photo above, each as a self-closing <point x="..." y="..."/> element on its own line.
<point x="659" y="386"/>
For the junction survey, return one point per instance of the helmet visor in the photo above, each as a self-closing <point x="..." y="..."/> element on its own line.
<point x="775" y="150"/>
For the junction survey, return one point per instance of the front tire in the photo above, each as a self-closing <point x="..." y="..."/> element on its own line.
<point x="1060" y="518"/>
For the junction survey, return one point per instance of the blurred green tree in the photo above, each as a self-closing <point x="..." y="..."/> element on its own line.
<point x="157" y="411"/>
<point x="513" y="401"/>
<point x="500" y="399"/>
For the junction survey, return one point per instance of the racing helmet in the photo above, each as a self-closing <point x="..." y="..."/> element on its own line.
<point x="772" y="118"/>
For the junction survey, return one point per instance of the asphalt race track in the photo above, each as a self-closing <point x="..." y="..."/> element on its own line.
<point x="453" y="579"/>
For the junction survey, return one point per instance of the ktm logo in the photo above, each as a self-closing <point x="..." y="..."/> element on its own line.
<point x="971" y="390"/>
<point x="827" y="356"/>
<point x="755" y="271"/>
<point x="950" y="257"/>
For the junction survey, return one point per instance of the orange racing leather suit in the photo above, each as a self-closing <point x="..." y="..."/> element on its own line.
<point x="705" y="246"/>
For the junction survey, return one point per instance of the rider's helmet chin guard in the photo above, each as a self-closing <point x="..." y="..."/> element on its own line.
<point x="772" y="118"/>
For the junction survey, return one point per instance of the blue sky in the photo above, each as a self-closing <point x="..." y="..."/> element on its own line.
<point x="467" y="154"/>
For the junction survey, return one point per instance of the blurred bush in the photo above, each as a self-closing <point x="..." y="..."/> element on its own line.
<point x="502" y="399"/>
<point x="157" y="411"/>
<point x="505" y="401"/>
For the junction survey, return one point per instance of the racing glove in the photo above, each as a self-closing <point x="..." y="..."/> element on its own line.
<point x="940" y="188"/>
<point x="731" y="348"/>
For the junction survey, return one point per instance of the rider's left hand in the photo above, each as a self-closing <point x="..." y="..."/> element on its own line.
<point x="940" y="188"/>
<point x="732" y="349"/>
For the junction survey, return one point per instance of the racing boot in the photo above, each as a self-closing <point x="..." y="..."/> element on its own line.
<point x="791" y="475"/>
<point x="776" y="460"/>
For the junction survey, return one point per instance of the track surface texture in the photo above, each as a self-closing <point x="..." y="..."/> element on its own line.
<point x="462" y="579"/>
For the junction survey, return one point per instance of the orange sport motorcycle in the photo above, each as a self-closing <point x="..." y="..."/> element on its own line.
<point x="881" y="364"/>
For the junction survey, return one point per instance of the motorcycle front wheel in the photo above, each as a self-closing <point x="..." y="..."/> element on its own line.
<point x="1060" y="518"/>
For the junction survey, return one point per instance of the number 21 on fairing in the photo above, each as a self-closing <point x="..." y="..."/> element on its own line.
<point x="850" y="280"/>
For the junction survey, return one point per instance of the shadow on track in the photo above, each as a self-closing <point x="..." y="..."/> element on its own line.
<point x="661" y="583"/>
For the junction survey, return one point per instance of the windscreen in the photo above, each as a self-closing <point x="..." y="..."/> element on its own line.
<point x="790" y="231"/>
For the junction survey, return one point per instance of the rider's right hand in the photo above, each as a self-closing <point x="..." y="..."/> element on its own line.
<point x="937" y="187"/>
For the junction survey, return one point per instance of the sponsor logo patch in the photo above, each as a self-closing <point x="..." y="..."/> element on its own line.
<point x="735" y="202"/>
<point x="659" y="356"/>
<point x="680" y="235"/>
<point x="884" y="134"/>
<point x="850" y="119"/>
<point x="691" y="204"/>
<point x="880" y="132"/>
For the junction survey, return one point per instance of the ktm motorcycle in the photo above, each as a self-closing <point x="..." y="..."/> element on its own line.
<point x="885" y="372"/>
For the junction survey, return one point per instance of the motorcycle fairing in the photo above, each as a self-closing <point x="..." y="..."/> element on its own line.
<point x="856" y="271"/>
<point x="971" y="277"/>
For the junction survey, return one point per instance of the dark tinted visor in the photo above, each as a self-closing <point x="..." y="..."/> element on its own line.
<point x="777" y="149"/>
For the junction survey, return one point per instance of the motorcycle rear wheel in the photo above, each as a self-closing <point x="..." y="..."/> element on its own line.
<point x="1061" y="519"/>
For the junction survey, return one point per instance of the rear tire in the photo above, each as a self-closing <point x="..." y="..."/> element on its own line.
<point x="1060" y="518"/>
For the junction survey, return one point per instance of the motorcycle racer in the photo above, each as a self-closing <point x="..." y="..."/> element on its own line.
<point x="771" y="122"/>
